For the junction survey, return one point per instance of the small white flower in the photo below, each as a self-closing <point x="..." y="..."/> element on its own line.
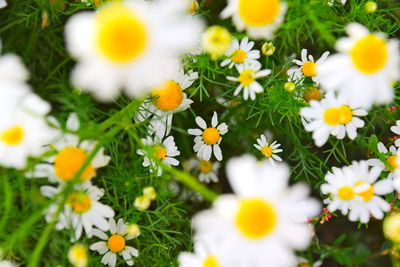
<point x="115" y="244"/>
<point x="330" y="2"/>
<point x="331" y="116"/>
<point x="207" y="139"/>
<point x="164" y="151"/>
<point x="3" y="3"/>
<point x="206" y="170"/>
<point x="240" y="53"/>
<point x="268" y="150"/>
<point x="248" y="75"/>
<point x="354" y="190"/>
<point x="206" y="254"/>
<point x="396" y="130"/>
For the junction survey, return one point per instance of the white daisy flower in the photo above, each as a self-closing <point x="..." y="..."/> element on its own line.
<point x="364" y="68"/>
<point x="82" y="209"/>
<point x="354" y="190"/>
<point x="3" y="3"/>
<point x="307" y="66"/>
<point x="165" y="151"/>
<point x="205" y="170"/>
<point x="264" y="214"/>
<point x="168" y="99"/>
<point x="390" y="156"/>
<point x="396" y="130"/>
<point x="240" y="53"/>
<point x="69" y="155"/>
<point x="259" y="18"/>
<point x="248" y="75"/>
<point x="269" y="150"/>
<point x="128" y="45"/>
<point x="115" y="244"/>
<point x="207" y="139"/>
<point x="331" y="116"/>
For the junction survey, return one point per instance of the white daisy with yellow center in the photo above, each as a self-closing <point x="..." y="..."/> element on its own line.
<point x="307" y="66"/>
<point x="158" y="150"/>
<point x="260" y="18"/>
<point x="268" y="150"/>
<point x="69" y="155"/>
<point x="396" y="129"/>
<point x="206" y="254"/>
<point x="263" y="214"/>
<point x="115" y="243"/>
<point x="364" y="68"/>
<point x="167" y="99"/>
<point x="205" y="170"/>
<point x="247" y="79"/>
<point x="208" y="139"/>
<point x="128" y="44"/>
<point x="355" y="191"/>
<point x="240" y="53"/>
<point x="331" y="116"/>
<point x="82" y="209"/>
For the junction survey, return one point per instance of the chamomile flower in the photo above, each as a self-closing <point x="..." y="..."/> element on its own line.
<point x="215" y="41"/>
<point x="70" y="153"/>
<point x="331" y="116"/>
<point x="248" y="75"/>
<point x="240" y="53"/>
<point x="115" y="244"/>
<point x="167" y="99"/>
<point x="307" y="66"/>
<point x="206" y="254"/>
<point x="391" y="158"/>
<point x="82" y="209"/>
<point x="78" y="255"/>
<point x="364" y="68"/>
<point x="355" y="191"/>
<point x="205" y="170"/>
<point x="263" y="215"/>
<point x="259" y="18"/>
<point x="269" y="150"/>
<point x="207" y="139"/>
<point x="330" y="2"/>
<point x="396" y="129"/>
<point x="128" y="44"/>
<point x="165" y="151"/>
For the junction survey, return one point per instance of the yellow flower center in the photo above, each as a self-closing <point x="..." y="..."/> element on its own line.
<point x="205" y="166"/>
<point x="346" y="193"/>
<point x="121" y="34"/>
<point x="160" y="152"/>
<point x="259" y="12"/>
<point x="370" y="54"/>
<point x="211" y="136"/>
<point x="238" y="56"/>
<point x="255" y="218"/>
<point x="335" y="116"/>
<point x="246" y="77"/>
<point x="13" y="136"/>
<point x="312" y="93"/>
<point x="367" y="194"/>
<point x="194" y="5"/>
<point x="309" y="69"/>
<point x="266" y="151"/>
<point x="68" y="161"/>
<point x="392" y="160"/>
<point x="168" y="96"/>
<point x="210" y="261"/>
<point x="80" y="202"/>
<point x="116" y="243"/>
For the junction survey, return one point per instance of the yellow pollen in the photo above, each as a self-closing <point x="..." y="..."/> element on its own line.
<point x="210" y="261"/>
<point x="392" y="160"/>
<point x="168" y="96"/>
<point x="205" y="166"/>
<point x="13" y="136"/>
<point x="238" y="56"/>
<point x="121" y="34"/>
<point x="370" y="54"/>
<point x="335" y="116"/>
<point x="116" y="243"/>
<point x="68" y="161"/>
<point x="255" y="218"/>
<point x="312" y="93"/>
<point x="80" y="202"/>
<point x="309" y="69"/>
<point x="346" y="193"/>
<point x="211" y="136"/>
<point x="266" y="151"/>
<point x="258" y="12"/>
<point x="367" y="194"/>
<point x="246" y="77"/>
<point x="160" y="152"/>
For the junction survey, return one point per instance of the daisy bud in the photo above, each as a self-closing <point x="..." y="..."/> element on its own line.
<point x="150" y="192"/>
<point x="216" y="40"/>
<point x="391" y="228"/>
<point x="142" y="203"/>
<point x="289" y="86"/>
<point x="268" y="49"/>
<point x="370" y="6"/>
<point x="78" y="256"/>
<point x="133" y="230"/>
